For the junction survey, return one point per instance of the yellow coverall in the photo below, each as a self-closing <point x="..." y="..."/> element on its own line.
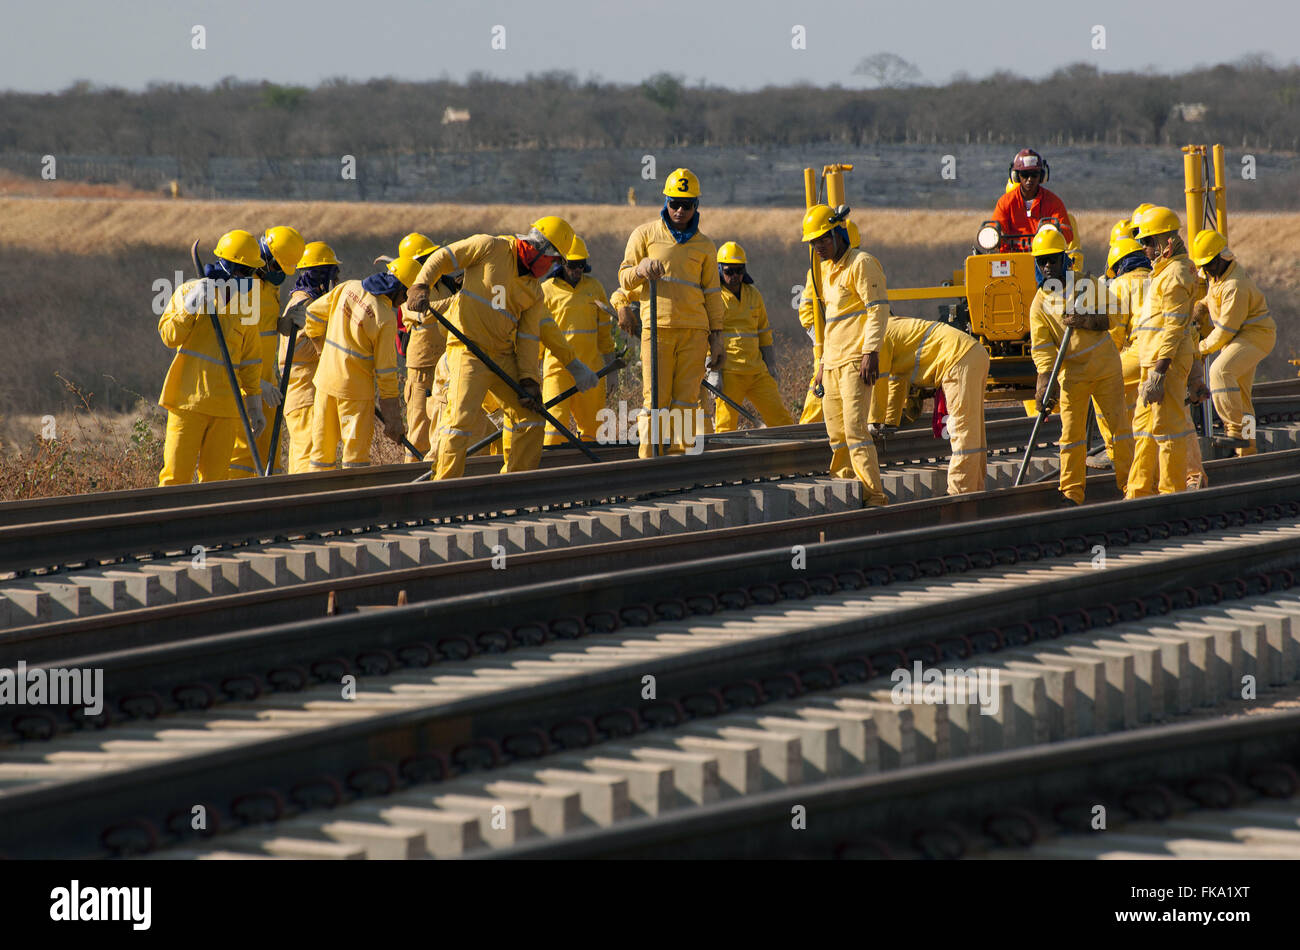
<point x="857" y="313"/>
<point x="812" y="403"/>
<point x="1243" y="335"/>
<point x="745" y="375"/>
<point x="1162" y="430"/>
<point x="504" y="313"/>
<point x="359" y="352"/>
<point x="241" y="458"/>
<point x="1126" y="293"/>
<point x="424" y="349"/>
<point x="689" y="306"/>
<point x="582" y="313"/>
<point x="1091" y="370"/>
<point x="202" y="414"/>
<point x="927" y="354"/>
<point x="301" y="394"/>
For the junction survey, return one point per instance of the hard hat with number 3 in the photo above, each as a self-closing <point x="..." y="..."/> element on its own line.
<point x="682" y="183"/>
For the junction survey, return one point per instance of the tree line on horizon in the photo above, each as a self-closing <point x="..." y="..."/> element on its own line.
<point x="1251" y="103"/>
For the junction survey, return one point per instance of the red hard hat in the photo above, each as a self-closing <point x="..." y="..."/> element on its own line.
<point x="1027" y="160"/>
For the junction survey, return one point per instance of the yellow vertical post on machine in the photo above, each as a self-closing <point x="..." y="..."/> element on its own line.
<point x="814" y="268"/>
<point x="1194" y="188"/>
<point x="835" y="185"/>
<point x="1220" y="192"/>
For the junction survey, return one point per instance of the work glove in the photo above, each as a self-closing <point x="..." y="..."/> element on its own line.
<point x="1086" y="321"/>
<point x="878" y="430"/>
<point x="1040" y="393"/>
<point x="818" y="389"/>
<point x="1152" y="389"/>
<point x="628" y="322"/>
<point x="270" y="393"/>
<point x="713" y="378"/>
<point x="417" y="298"/>
<point x="1197" y="391"/>
<point x="1200" y="311"/>
<point x="582" y="375"/>
<point x="201" y="296"/>
<point x="390" y="411"/>
<point x="650" y="268"/>
<point x="869" y="368"/>
<point x="717" y="349"/>
<point x="533" y="393"/>
<point x="256" y="418"/>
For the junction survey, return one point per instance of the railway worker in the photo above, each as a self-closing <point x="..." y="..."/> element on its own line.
<point x="1022" y="212"/>
<point x="502" y="309"/>
<point x="357" y="322"/>
<point x="852" y="288"/>
<point x="1090" y="370"/>
<point x="425" y="343"/>
<point x="202" y="414"/>
<point x="1162" y="424"/>
<point x="582" y="312"/>
<point x="749" y="353"/>
<point x="318" y="272"/>
<point x="1129" y="270"/>
<point x="812" y="403"/>
<point x="674" y="252"/>
<point x="281" y="248"/>
<point x="1243" y="335"/>
<point x="930" y="354"/>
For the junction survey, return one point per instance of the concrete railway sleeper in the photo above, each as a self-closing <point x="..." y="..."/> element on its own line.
<point x="478" y="713"/>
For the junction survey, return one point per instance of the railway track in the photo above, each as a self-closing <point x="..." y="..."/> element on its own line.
<point x="560" y="665"/>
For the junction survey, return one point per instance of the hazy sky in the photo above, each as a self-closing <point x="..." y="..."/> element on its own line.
<point x="45" y="46"/>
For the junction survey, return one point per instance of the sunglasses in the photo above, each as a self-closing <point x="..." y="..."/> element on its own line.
<point x="681" y="204"/>
<point x="1024" y="176"/>
<point x="733" y="271"/>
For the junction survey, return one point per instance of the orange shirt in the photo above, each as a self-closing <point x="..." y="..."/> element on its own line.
<point x="1014" y="218"/>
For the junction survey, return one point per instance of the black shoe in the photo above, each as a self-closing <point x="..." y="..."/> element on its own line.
<point x="1065" y="501"/>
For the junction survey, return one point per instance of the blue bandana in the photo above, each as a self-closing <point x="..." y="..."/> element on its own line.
<point x="382" y="283"/>
<point x="1131" y="262"/>
<point x="316" y="280"/>
<point x="681" y="237"/>
<point x="272" y="272"/>
<point x="219" y="270"/>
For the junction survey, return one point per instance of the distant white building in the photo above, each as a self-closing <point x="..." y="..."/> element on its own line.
<point x="450" y="115"/>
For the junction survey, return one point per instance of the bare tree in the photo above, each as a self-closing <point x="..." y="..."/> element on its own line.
<point x="888" y="70"/>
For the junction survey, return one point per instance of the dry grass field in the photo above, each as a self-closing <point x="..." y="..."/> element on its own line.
<point x="77" y="285"/>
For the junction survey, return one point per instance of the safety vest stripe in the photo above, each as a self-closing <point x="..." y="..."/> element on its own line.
<point x="877" y="303"/>
<point x="268" y="333"/>
<point x="528" y="336"/>
<point x="1254" y="319"/>
<point x="744" y="334"/>
<point x="490" y="305"/>
<point x="340" y="346"/>
<point x="983" y="449"/>
<point x="1230" y="389"/>
<point x="845" y="316"/>
<point x="202" y="356"/>
<point x="1088" y="349"/>
<point x="916" y="370"/>
<point x="243" y="468"/>
<point x="381" y="372"/>
<point x="312" y="316"/>
<point x="860" y="445"/>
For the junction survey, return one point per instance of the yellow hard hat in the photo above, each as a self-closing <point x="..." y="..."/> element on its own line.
<point x="1123" y="229"/>
<point x="556" y="230"/>
<point x="682" y="183"/>
<point x="1156" y="220"/>
<point x="577" y="250"/>
<point x="1206" y="246"/>
<point x="317" y="253"/>
<point x="819" y="219"/>
<point x="239" y="247"/>
<point x="415" y="246"/>
<point x="1048" y="240"/>
<point x="286" y="246"/>
<point x="1120" y="250"/>
<point x="1137" y="212"/>
<point x="405" y="269"/>
<point x="855" y="236"/>
<point x="731" y="253"/>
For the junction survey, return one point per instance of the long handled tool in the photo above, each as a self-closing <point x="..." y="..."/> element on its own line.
<point x="732" y="403"/>
<point x="510" y="381"/>
<point x="654" y="366"/>
<point x="406" y="444"/>
<point x="230" y="368"/>
<point x="483" y="443"/>
<point x="274" y="451"/>
<point x="1047" y="401"/>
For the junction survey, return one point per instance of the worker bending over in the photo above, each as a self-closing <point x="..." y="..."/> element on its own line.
<point x="1162" y="424"/>
<point x="923" y="353"/>
<point x="584" y="316"/>
<point x="674" y="252"/>
<point x="500" y="308"/>
<point x="1020" y="213"/>
<point x="1090" y="369"/>
<point x="318" y="272"/>
<point x="852" y="288"/>
<point x="1243" y="335"/>
<point x="202" y="414"/>
<point x="281" y="248"/>
<point x="425" y="342"/>
<point x="749" y="354"/>
<point x="359" y="329"/>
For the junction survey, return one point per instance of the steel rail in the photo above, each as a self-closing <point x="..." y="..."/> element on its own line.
<point x="961" y="798"/>
<point x="176" y="623"/>
<point x="42" y="812"/>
